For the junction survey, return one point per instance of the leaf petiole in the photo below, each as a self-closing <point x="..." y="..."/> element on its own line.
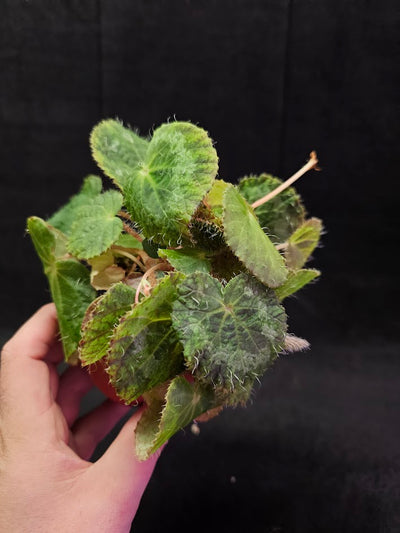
<point x="122" y="251"/>
<point x="312" y="163"/>
<point x="132" y="232"/>
<point x="158" y="266"/>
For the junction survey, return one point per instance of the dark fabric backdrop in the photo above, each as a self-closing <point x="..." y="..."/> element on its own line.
<point x="318" y="449"/>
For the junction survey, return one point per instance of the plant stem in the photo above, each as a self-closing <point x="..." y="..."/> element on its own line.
<point x="122" y="251"/>
<point x="132" y="232"/>
<point x="124" y="215"/>
<point x="311" y="164"/>
<point x="158" y="266"/>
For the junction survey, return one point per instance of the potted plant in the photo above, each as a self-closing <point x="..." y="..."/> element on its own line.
<point x="169" y="286"/>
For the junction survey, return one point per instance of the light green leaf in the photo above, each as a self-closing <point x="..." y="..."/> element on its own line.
<point x="281" y="215"/>
<point x="72" y="293"/>
<point x="302" y="243"/>
<point x="296" y="281"/>
<point x="68" y="280"/>
<point x="66" y="216"/>
<point x="96" y="227"/>
<point x="100" y="320"/>
<point x="145" y="349"/>
<point x="186" y="260"/>
<point x="230" y="335"/>
<point x="248" y="241"/>
<point x="50" y="243"/>
<point x="165" y="416"/>
<point x="215" y="198"/>
<point x="128" y="241"/>
<point x="117" y="150"/>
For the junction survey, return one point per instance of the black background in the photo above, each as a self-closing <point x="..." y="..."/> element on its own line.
<point x="318" y="449"/>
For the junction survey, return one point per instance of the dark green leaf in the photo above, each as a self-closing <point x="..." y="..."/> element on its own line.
<point x="225" y="265"/>
<point x="252" y="246"/>
<point x="206" y="235"/>
<point x="100" y="320"/>
<point x="145" y="349"/>
<point x="278" y="217"/>
<point x="230" y="335"/>
<point x="151" y="248"/>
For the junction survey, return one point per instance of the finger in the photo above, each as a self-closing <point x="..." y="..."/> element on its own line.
<point x="55" y="354"/>
<point x="25" y="377"/>
<point x="37" y="337"/>
<point x="74" y="384"/>
<point x="92" y="428"/>
<point x="127" y="476"/>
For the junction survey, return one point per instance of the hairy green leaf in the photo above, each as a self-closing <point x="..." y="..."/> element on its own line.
<point x="248" y="241"/>
<point x="206" y="235"/>
<point x="72" y="293"/>
<point x="164" y="180"/>
<point x="145" y="349"/>
<point x="225" y="265"/>
<point x="96" y="227"/>
<point x="206" y="224"/>
<point x="100" y="320"/>
<point x="50" y="243"/>
<point x="64" y="218"/>
<point x="230" y="335"/>
<point x="302" y="243"/>
<point x="165" y="416"/>
<point x="117" y="150"/>
<point x="280" y="216"/>
<point x="296" y="281"/>
<point x="180" y="166"/>
<point x="68" y="280"/>
<point x="187" y="260"/>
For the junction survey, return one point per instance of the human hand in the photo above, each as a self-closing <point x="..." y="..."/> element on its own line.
<point x="47" y="483"/>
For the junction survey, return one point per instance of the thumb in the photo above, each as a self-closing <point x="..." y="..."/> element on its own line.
<point x="123" y="474"/>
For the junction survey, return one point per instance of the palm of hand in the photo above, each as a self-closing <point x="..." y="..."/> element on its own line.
<point x="46" y="479"/>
